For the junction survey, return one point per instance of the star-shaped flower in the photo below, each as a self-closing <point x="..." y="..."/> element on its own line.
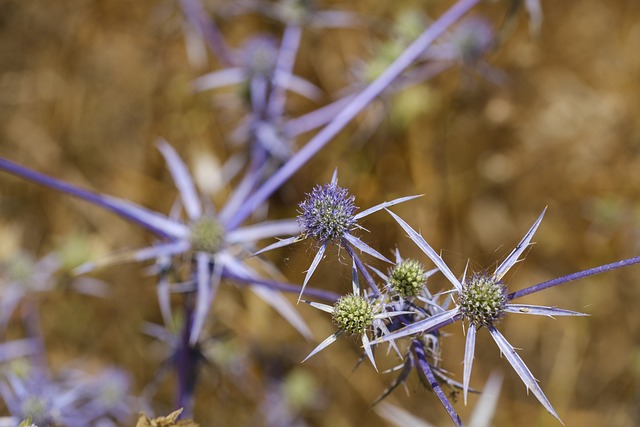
<point x="204" y="235"/>
<point x="482" y="300"/>
<point x="327" y="215"/>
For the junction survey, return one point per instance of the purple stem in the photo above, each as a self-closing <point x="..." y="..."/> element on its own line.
<point x="355" y="106"/>
<point x="111" y="203"/>
<point x="574" y="276"/>
<point x="186" y="364"/>
<point x="284" y="287"/>
<point x="361" y="267"/>
<point x="284" y="67"/>
<point x="323" y="115"/>
<point x="425" y="368"/>
<point x="258" y="92"/>
<point x="34" y="330"/>
<point x="197" y="16"/>
<point x="315" y="118"/>
<point x="423" y="74"/>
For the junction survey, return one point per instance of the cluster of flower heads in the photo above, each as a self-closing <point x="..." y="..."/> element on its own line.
<point x="401" y="307"/>
<point x="199" y="247"/>
<point x="70" y="398"/>
<point x="405" y="308"/>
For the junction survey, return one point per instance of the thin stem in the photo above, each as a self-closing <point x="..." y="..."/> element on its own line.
<point x="426" y="370"/>
<point x="320" y="294"/>
<point x="355" y="106"/>
<point x="34" y="331"/>
<point x="361" y="267"/>
<point x="196" y="14"/>
<point x="315" y="118"/>
<point x="323" y="115"/>
<point x="128" y="210"/>
<point x="574" y="276"/>
<point x="284" y="67"/>
<point x="423" y="74"/>
<point x="186" y="363"/>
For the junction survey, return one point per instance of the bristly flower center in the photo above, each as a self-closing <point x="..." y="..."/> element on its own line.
<point x="260" y="56"/>
<point x="353" y="314"/>
<point x="408" y="278"/>
<point x="207" y="235"/>
<point x="327" y="213"/>
<point x="36" y="408"/>
<point x="482" y="300"/>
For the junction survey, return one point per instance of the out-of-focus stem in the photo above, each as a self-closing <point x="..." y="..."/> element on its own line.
<point x="196" y="14"/>
<point x="127" y="210"/>
<point x="315" y="118"/>
<point x="284" y="67"/>
<point x="320" y="294"/>
<point x="186" y="364"/>
<point x="357" y="104"/>
<point x="34" y="330"/>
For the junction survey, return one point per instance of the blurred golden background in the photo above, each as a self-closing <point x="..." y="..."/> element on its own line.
<point x="86" y="87"/>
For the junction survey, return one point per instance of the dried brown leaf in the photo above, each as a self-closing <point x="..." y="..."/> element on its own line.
<point x="170" y="420"/>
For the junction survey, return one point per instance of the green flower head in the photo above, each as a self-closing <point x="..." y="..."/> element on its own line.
<point x="353" y="314"/>
<point x="408" y="278"/>
<point x="207" y="235"/>
<point x="482" y="300"/>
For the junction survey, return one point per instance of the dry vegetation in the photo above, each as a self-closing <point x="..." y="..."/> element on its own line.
<point x="86" y="86"/>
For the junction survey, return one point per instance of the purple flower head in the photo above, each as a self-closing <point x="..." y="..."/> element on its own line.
<point x="71" y="398"/>
<point x="467" y="43"/>
<point x="34" y="399"/>
<point x="112" y="388"/>
<point x="24" y="271"/>
<point x="20" y="276"/>
<point x="472" y="39"/>
<point x="328" y="216"/>
<point x="327" y="213"/>
<point x="407" y="26"/>
<point x="37" y="408"/>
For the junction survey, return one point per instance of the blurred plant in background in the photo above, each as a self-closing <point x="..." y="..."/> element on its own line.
<point x="261" y="88"/>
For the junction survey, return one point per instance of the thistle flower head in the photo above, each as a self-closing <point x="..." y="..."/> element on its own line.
<point x="472" y="39"/>
<point x="482" y="300"/>
<point x="469" y="41"/>
<point x="35" y="402"/>
<point x="112" y="389"/>
<point x="20" y="268"/>
<point x="36" y="408"/>
<point x="327" y="213"/>
<point x="259" y="56"/>
<point x="297" y="12"/>
<point x="29" y="274"/>
<point x="408" y="278"/>
<point x="353" y="314"/>
<point x="207" y="235"/>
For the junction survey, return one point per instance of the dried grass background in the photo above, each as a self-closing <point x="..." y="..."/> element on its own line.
<point x="86" y="86"/>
